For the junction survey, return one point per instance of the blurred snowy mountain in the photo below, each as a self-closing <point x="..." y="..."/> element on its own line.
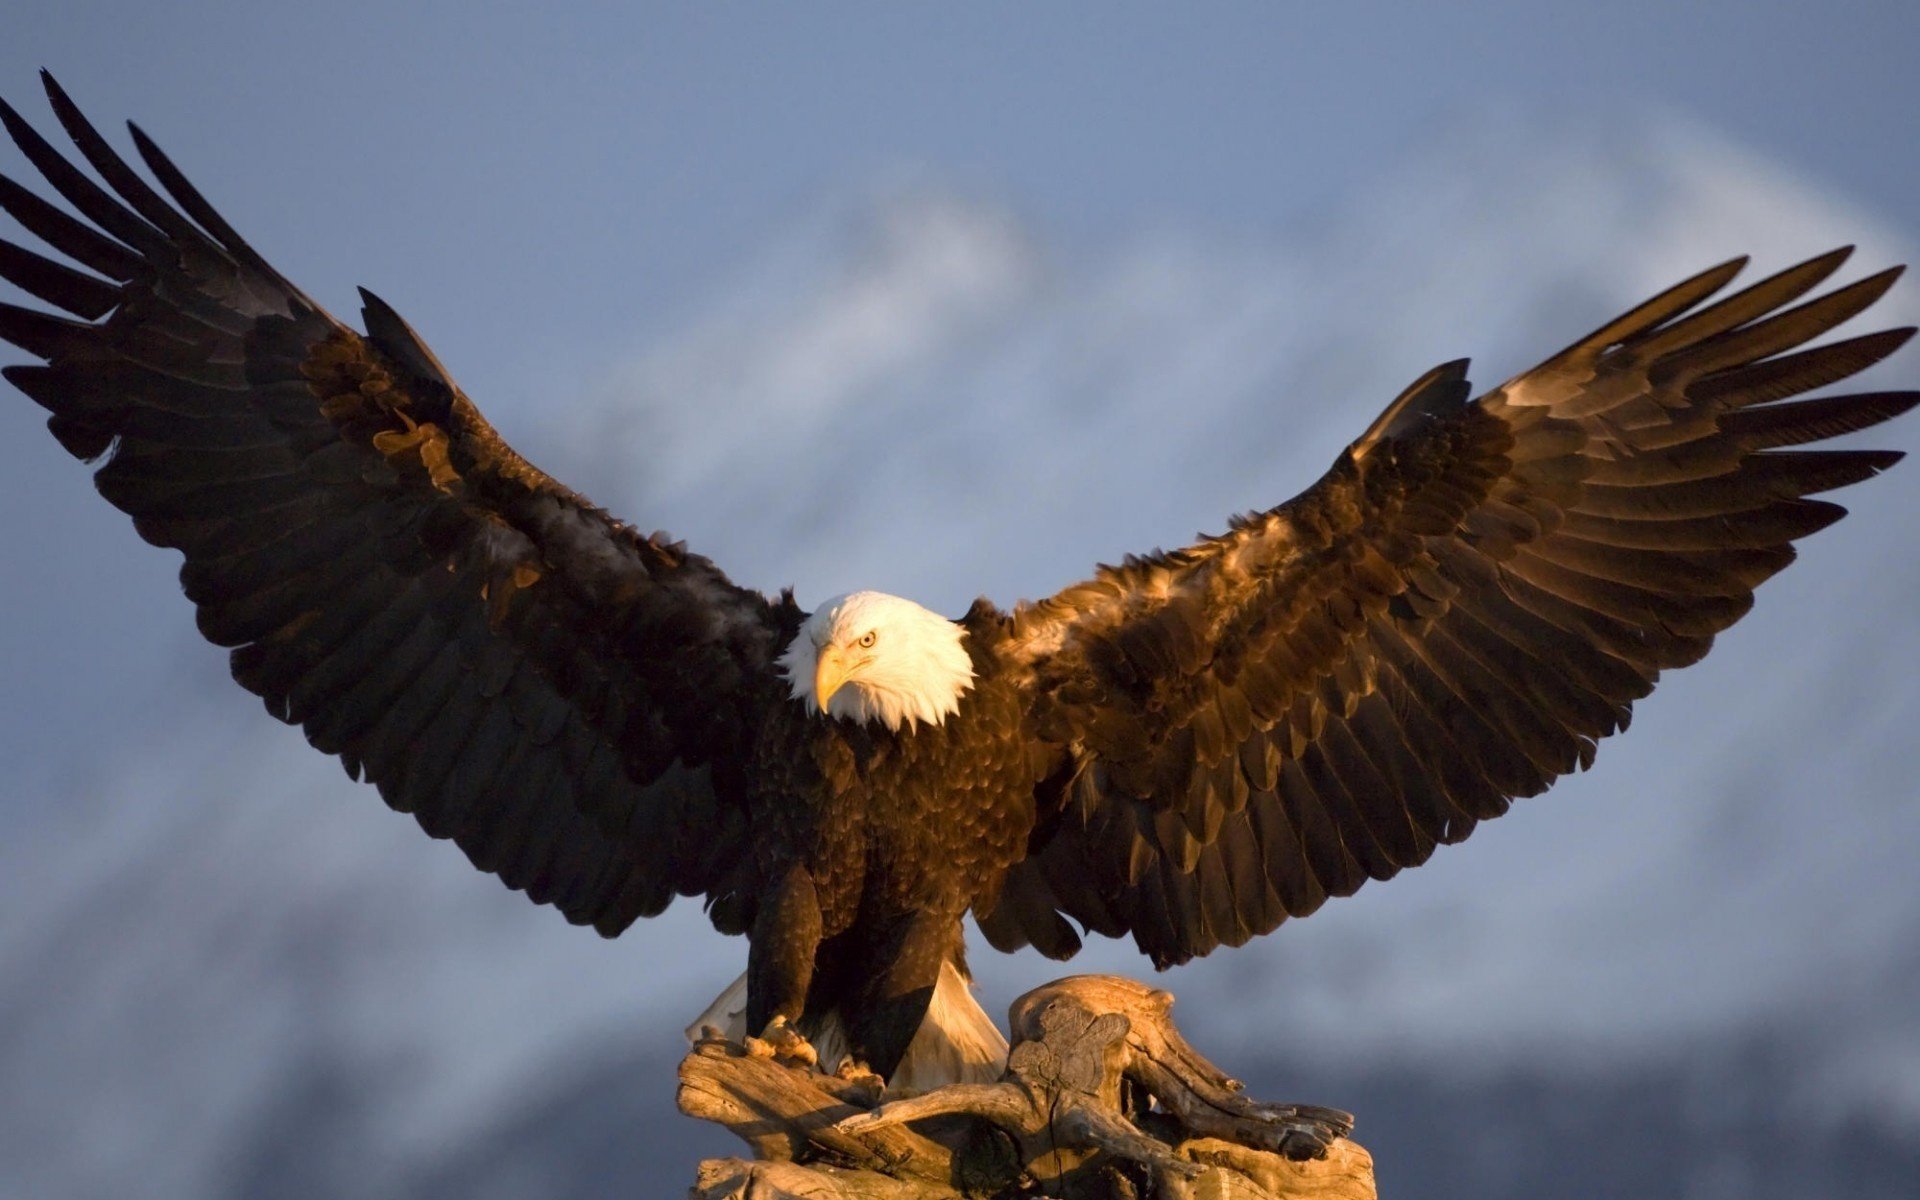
<point x="209" y="936"/>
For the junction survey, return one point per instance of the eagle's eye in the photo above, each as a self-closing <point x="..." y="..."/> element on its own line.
<point x="867" y="639"/>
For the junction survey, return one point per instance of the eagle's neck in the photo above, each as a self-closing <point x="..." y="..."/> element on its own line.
<point x="885" y="660"/>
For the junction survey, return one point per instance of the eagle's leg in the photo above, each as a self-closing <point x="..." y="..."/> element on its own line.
<point x="891" y="994"/>
<point x="780" y="954"/>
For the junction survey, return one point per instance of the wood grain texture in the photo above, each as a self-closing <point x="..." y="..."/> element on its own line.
<point x="1070" y="1118"/>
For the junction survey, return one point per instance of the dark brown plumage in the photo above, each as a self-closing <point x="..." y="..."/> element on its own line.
<point x="1450" y="619"/>
<point x="1190" y="747"/>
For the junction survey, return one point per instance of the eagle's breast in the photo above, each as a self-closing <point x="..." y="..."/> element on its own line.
<point x="894" y="822"/>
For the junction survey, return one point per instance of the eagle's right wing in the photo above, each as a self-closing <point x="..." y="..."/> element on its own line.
<point x="1472" y="597"/>
<point x="559" y="695"/>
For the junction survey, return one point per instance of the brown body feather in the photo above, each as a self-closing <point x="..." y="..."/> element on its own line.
<point x="1190" y="747"/>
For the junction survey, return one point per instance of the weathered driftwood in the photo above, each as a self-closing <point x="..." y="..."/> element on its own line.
<point x="1102" y="1099"/>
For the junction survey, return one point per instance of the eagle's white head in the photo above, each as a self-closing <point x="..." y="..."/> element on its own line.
<point x="868" y="656"/>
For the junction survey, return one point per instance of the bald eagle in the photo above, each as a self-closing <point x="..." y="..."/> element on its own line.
<point x="1188" y="748"/>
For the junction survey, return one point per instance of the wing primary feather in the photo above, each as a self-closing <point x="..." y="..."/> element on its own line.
<point x="94" y="203"/>
<point x="1731" y="572"/>
<point x="163" y="410"/>
<point x="298" y="551"/>
<point x="1637" y="608"/>
<point x="1770" y="293"/>
<point x="1777" y="378"/>
<point x="83" y="295"/>
<point x="164" y="499"/>
<point x="1761" y="480"/>
<point x="1771" y="426"/>
<point x="42" y="335"/>
<point x="1676" y="299"/>
<point x="1784" y="330"/>
<point x="1768" y="525"/>
<point x="75" y="239"/>
<point x="112" y="168"/>
<point x="194" y="204"/>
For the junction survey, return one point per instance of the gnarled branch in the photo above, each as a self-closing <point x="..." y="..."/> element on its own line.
<point x="1102" y="1099"/>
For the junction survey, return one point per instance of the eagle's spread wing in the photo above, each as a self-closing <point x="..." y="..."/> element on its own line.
<point x="1472" y="596"/>
<point x="522" y="673"/>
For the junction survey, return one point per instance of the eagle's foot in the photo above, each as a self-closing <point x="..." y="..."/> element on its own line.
<point x="781" y="1042"/>
<point x="862" y="1083"/>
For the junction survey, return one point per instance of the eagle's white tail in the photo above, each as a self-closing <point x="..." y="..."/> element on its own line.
<point x="957" y="1042"/>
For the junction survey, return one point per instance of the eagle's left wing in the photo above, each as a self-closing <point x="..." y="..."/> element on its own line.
<point x="563" y="697"/>
<point x="1472" y="596"/>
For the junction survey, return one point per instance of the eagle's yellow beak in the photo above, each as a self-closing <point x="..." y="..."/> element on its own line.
<point x="828" y="674"/>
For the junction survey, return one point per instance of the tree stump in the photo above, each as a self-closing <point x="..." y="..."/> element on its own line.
<point x="1102" y="1099"/>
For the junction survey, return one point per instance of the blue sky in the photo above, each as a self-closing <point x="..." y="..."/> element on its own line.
<point x="573" y="172"/>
